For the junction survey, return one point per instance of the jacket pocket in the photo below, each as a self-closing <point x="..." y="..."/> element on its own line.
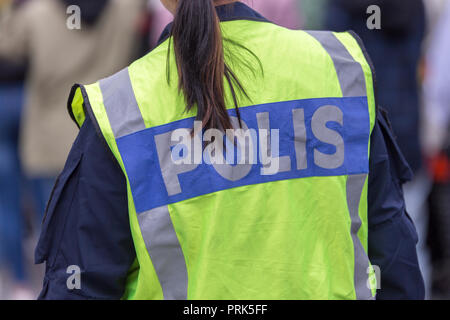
<point x="54" y="218"/>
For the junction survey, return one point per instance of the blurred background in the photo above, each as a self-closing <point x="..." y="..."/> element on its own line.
<point x="42" y="56"/>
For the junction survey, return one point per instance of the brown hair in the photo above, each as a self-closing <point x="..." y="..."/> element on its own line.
<point x="200" y="62"/>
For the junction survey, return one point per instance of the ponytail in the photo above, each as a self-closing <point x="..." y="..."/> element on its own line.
<point x="199" y="56"/>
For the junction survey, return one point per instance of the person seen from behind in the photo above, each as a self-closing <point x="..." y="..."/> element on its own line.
<point x="232" y="162"/>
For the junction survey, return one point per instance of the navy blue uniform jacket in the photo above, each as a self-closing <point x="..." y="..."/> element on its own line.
<point x="86" y="222"/>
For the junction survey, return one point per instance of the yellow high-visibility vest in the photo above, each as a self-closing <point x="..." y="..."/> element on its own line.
<point x="242" y="231"/>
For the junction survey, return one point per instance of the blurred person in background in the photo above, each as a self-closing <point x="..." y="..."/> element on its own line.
<point x="13" y="277"/>
<point x="285" y="13"/>
<point x="57" y="57"/>
<point x="434" y="9"/>
<point x="395" y="50"/>
<point x="11" y="218"/>
<point x="160" y="18"/>
<point x="313" y="14"/>
<point x="437" y="149"/>
<point x="38" y="32"/>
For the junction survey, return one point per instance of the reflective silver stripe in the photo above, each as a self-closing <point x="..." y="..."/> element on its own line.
<point x="169" y="169"/>
<point x="319" y="121"/>
<point x="121" y="106"/>
<point x="355" y="185"/>
<point x="165" y="252"/>
<point x="298" y="116"/>
<point x="350" y="72"/>
<point x="353" y="84"/>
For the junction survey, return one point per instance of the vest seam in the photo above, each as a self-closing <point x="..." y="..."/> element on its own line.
<point x="89" y="112"/>
<point x="371" y="65"/>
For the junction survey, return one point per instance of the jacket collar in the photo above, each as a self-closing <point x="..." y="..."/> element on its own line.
<point x="228" y="12"/>
<point x="238" y="11"/>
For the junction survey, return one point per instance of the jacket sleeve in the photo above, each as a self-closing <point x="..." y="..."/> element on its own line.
<point x="392" y="235"/>
<point x="86" y="225"/>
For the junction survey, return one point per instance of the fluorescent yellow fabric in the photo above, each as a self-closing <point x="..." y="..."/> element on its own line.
<point x="286" y="239"/>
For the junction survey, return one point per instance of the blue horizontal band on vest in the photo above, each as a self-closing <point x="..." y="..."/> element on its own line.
<point x="140" y="156"/>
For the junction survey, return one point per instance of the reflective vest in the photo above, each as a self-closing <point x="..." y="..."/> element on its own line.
<point x="234" y="231"/>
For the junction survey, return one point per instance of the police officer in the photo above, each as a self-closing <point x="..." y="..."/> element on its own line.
<point x="306" y="204"/>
